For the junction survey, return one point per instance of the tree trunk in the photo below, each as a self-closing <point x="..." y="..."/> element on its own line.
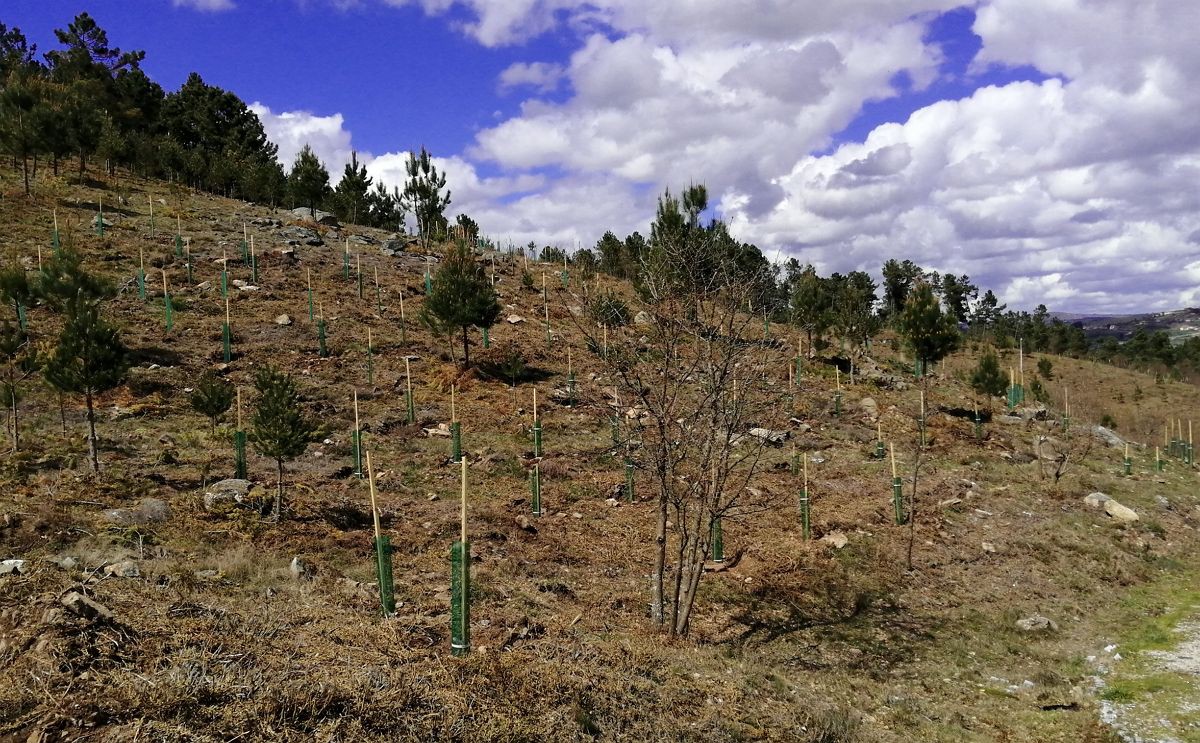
<point x="91" y="419"/>
<point x="660" y="558"/>
<point x="82" y="165"/>
<point x="62" y="412"/>
<point x="278" y="492"/>
<point x="55" y="163"/>
<point x="694" y="560"/>
<point x="25" y="172"/>
<point x="466" y="349"/>
<point x="12" y="388"/>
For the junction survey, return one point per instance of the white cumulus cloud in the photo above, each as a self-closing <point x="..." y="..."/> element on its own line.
<point x="326" y="135"/>
<point x="209" y="6"/>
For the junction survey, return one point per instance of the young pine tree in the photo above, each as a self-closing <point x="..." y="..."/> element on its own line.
<point x="278" y="428"/>
<point x="308" y="183"/>
<point x="20" y="360"/>
<point x="462" y="297"/>
<point x="988" y="379"/>
<point x="212" y="398"/>
<point x="931" y="333"/>
<point x="351" y="197"/>
<point x="89" y="359"/>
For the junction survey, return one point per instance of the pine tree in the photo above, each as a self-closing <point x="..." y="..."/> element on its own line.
<point x="212" y="398"/>
<point x="931" y="333"/>
<point x="89" y="359"/>
<point x="988" y="379"/>
<point x="811" y="304"/>
<point x="16" y="290"/>
<point x="278" y="428"/>
<point x="423" y="196"/>
<point x="462" y="297"/>
<point x="351" y="197"/>
<point x="308" y="183"/>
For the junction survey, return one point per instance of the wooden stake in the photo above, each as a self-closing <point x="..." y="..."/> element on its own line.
<point x="402" y="306"/>
<point x="462" y="535"/>
<point x="227" y="314"/>
<point x="805" y="471"/>
<point x="892" y="449"/>
<point x="535" y="405"/>
<point x="407" y="378"/>
<point x="56" y="220"/>
<point x="569" y="369"/>
<point x="837" y="376"/>
<point x="371" y="487"/>
<point x="141" y="259"/>
<point x="164" y="273"/>
<point x="376" y="281"/>
<point x="39" y="247"/>
<point x="878" y="431"/>
<point x="453" y="409"/>
<point x="239" y="407"/>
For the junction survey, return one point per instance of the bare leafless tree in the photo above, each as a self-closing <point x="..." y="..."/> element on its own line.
<point x="703" y="384"/>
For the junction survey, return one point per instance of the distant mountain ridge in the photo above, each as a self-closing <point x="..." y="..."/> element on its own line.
<point x="1179" y="324"/>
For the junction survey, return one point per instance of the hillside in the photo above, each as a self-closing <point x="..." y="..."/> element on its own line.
<point x="214" y="637"/>
<point x="1179" y="324"/>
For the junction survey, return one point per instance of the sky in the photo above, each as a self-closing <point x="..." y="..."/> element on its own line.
<point x="1049" y="149"/>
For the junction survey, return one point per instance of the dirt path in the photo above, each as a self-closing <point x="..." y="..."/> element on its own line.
<point x="1154" y="696"/>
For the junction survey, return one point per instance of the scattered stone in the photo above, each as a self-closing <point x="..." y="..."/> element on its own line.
<point x="123" y="569"/>
<point x="283" y="320"/>
<point x="100" y="220"/>
<point x="1036" y="623"/>
<point x="432" y="497"/>
<point x="64" y="562"/>
<point x="265" y="222"/>
<point x="85" y="607"/>
<point x="318" y="216"/>
<point x="207" y="574"/>
<point x="641" y="318"/>
<point x="950" y="502"/>
<point x="1162" y="502"/>
<point x="1012" y="420"/>
<point x="247" y="288"/>
<point x="524" y="524"/>
<point x="301" y="569"/>
<point x="441" y="430"/>
<point x="1119" y="512"/>
<point x="835" y="539"/>
<point x="869" y="406"/>
<point x="1096" y="500"/>
<point x="13" y="567"/>
<point x="989" y="548"/>
<point x="1108" y="437"/>
<point x="775" y="438"/>
<point x="514" y="319"/>
<point x="612" y="502"/>
<point x="226" y="494"/>
<point x="362" y="239"/>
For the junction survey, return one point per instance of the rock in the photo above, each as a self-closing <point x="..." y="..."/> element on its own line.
<point x="314" y="241"/>
<point x="13" y="567"/>
<point x="283" y="320"/>
<point x="362" y="239"/>
<point x="122" y="516"/>
<point x="775" y="438"/>
<point x="301" y="569"/>
<point x="869" y="406"/>
<point x="207" y="574"/>
<point x="154" y="510"/>
<point x="100" y="220"/>
<point x="318" y="216"/>
<point x="85" y="607"/>
<point x="950" y="502"/>
<point x="288" y="255"/>
<point x="1162" y="502"/>
<point x="265" y="222"/>
<point x="226" y="494"/>
<point x="835" y="539"/>
<point x="123" y="569"/>
<point x="524" y="525"/>
<point x="297" y="233"/>
<point x="432" y="497"/>
<point x="1012" y="420"/>
<point x="989" y="548"/>
<point x="1096" y="500"/>
<point x="442" y="430"/>
<point x="1036" y="412"/>
<point x="1108" y="437"/>
<point x="151" y="510"/>
<point x="1119" y="512"/>
<point x="641" y="318"/>
<point x="1036" y="623"/>
<point x="64" y="562"/>
<point x="247" y="288"/>
<point x="612" y="502"/>
<point x="514" y="319"/>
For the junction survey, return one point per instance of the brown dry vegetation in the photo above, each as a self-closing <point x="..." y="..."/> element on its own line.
<point x="796" y="642"/>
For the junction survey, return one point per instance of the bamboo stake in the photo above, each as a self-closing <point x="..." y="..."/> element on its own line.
<point x="453" y="409"/>
<point x="239" y="407"/>
<point x="371" y="487"/>
<point x="462" y="533"/>
<point x="892" y="448"/>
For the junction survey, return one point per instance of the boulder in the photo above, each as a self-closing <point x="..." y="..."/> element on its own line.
<point x="151" y="510"/>
<point x="1108" y="437"/>
<point x="441" y="430"/>
<point x="514" y="319"/>
<point x="225" y="495"/>
<point x="775" y="438"/>
<point x="318" y="216"/>
<point x="1119" y="513"/>
<point x="123" y="569"/>
<point x="13" y="567"/>
<point x="1096" y="500"/>
<point x="1036" y="623"/>
<point x="82" y="606"/>
<point x="641" y="318"/>
<point x="869" y="407"/>
<point x="835" y="539"/>
<point x="283" y="320"/>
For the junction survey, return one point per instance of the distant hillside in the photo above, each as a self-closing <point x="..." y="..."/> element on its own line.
<point x="1179" y="324"/>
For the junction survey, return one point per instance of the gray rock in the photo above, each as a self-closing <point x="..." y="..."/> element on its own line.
<point x="1036" y="623"/>
<point x="64" y="562"/>
<point x="1119" y="513"/>
<point x="283" y="320"/>
<point x="318" y="216"/>
<point x="1012" y="420"/>
<point x="265" y="222"/>
<point x="301" y="569"/>
<point x="225" y="495"/>
<point x="641" y="318"/>
<point x="97" y="220"/>
<point x="835" y="539"/>
<point x="123" y="569"/>
<point x="1108" y="437"/>
<point x="869" y="406"/>
<point x="151" y="510"/>
<point x="296" y="232"/>
<point x="362" y="240"/>
<point x="154" y="510"/>
<point x="85" y="607"/>
<point x="314" y="241"/>
<point x="1096" y="500"/>
<point x="13" y="567"/>
<point x="775" y="438"/>
<point x="514" y="319"/>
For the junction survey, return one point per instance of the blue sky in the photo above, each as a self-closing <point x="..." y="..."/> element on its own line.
<point x="1048" y="150"/>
